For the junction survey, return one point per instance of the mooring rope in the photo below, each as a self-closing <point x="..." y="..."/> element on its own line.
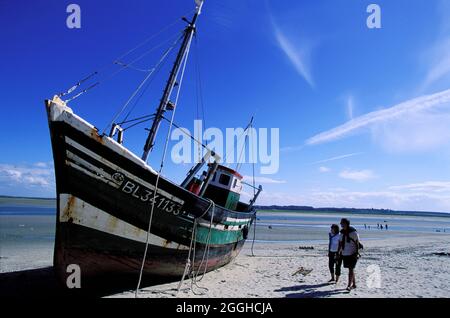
<point x="166" y="145"/>
<point x="189" y="267"/>
<point x="254" y="235"/>
<point x="205" y="252"/>
<point x="253" y="181"/>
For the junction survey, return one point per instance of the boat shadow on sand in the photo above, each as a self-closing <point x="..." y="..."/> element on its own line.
<point x="42" y="283"/>
<point x="309" y="291"/>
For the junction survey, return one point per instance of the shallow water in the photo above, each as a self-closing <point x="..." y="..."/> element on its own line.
<point x="27" y="232"/>
<point x="309" y="227"/>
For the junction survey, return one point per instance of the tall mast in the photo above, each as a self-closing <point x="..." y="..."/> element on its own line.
<point x="165" y="100"/>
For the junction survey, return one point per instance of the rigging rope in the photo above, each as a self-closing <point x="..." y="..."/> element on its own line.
<point x="188" y="134"/>
<point x="139" y="122"/>
<point x="151" y="37"/>
<point x="141" y="85"/>
<point x="253" y="156"/>
<point x="232" y="146"/>
<point x="82" y="92"/>
<point x="250" y="134"/>
<point x="132" y="67"/>
<point x="185" y="57"/>
<point x="247" y="130"/>
<point x="123" y="65"/>
<point x="199" y="92"/>
<point x="74" y="87"/>
<point x="126" y="121"/>
<point x="113" y="74"/>
<point x="239" y="163"/>
<point x="253" y="179"/>
<point x="140" y="57"/>
<point x="143" y="91"/>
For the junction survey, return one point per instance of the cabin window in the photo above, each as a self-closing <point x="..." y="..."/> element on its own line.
<point x="224" y="179"/>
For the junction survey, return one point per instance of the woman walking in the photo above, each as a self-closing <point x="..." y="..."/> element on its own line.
<point x="334" y="259"/>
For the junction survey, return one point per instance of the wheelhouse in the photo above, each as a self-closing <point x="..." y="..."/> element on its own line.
<point x="225" y="187"/>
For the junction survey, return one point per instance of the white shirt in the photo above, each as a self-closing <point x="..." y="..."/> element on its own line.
<point x="350" y="248"/>
<point x="334" y="242"/>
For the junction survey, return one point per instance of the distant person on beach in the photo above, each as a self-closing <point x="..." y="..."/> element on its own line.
<point x="365" y="226"/>
<point x="381" y="226"/>
<point x="386" y="226"/>
<point x="334" y="261"/>
<point x="349" y="248"/>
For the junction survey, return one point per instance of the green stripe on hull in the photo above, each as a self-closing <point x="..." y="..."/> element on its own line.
<point x="219" y="236"/>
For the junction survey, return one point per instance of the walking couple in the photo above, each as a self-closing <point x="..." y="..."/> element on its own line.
<point x="344" y="248"/>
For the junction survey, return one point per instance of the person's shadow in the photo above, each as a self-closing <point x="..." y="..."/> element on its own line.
<point x="309" y="291"/>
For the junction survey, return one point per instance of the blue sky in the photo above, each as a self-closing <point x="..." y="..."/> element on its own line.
<point x="364" y="114"/>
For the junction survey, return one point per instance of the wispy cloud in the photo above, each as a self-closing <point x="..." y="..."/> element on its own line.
<point x="350" y="106"/>
<point x="415" y="133"/>
<point x="406" y="199"/>
<point x="324" y="169"/>
<point x="383" y="199"/>
<point x="340" y="157"/>
<point x="437" y="57"/>
<point x="36" y="175"/>
<point x="263" y="180"/>
<point x="43" y="164"/>
<point x="296" y="56"/>
<point x="225" y="14"/>
<point x="428" y="186"/>
<point x="396" y="112"/>
<point x="357" y="175"/>
<point x="298" y="53"/>
<point x="292" y="148"/>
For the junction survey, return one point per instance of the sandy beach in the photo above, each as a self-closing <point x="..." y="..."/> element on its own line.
<point x="408" y="267"/>
<point x="411" y="260"/>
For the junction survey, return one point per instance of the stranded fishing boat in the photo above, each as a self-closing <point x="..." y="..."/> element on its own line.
<point x="116" y="215"/>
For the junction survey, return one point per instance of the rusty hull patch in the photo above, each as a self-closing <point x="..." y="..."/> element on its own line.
<point x="94" y="134"/>
<point x="69" y="208"/>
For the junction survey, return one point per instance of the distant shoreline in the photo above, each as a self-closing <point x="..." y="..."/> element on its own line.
<point x="343" y="211"/>
<point x="25" y="198"/>
<point x="51" y="202"/>
<point x="27" y="201"/>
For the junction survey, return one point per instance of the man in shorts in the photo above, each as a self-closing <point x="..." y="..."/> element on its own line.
<point x="349" y="249"/>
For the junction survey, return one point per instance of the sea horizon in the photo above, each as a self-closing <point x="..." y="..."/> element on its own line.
<point x="18" y="201"/>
